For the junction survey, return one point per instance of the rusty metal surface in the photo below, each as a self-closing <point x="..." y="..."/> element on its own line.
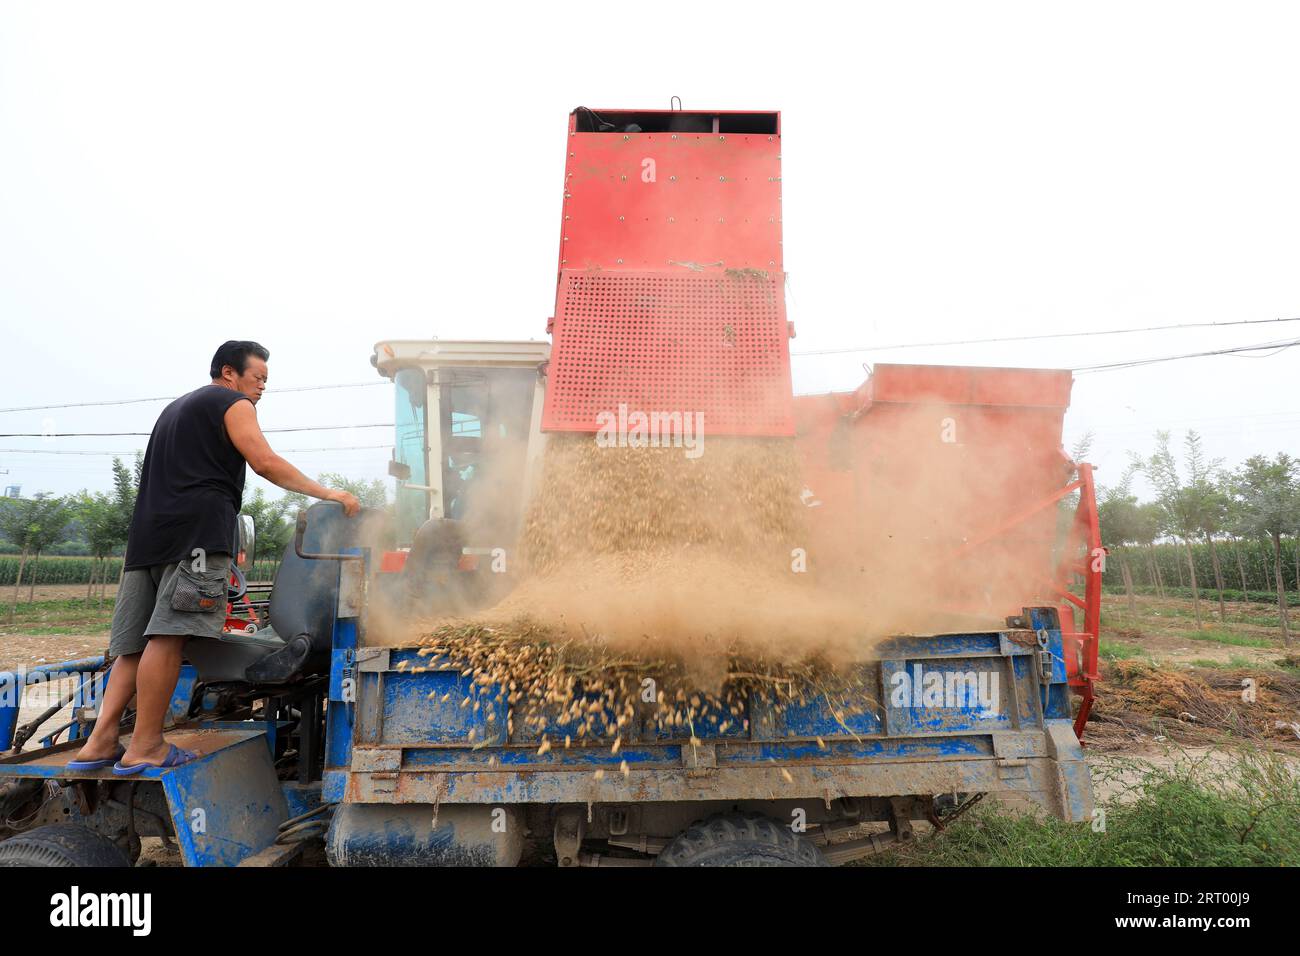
<point x="48" y="759"/>
<point x="1059" y="787"/>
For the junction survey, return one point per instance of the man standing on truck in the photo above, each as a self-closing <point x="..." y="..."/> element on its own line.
<point x="179" y="549"/>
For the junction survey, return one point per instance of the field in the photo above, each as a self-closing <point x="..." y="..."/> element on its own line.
<point x="1185" y="769"/>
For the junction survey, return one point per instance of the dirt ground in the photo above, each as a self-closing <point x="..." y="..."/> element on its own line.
<point x="1165" y="630"/>
<point x="54" y="592"/>
<point x="27" y="650"/>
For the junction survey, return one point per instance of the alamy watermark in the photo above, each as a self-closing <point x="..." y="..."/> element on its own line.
<point x="657" y="429"/>
<point x="952" y="690"/>
<point x="47" y="685"/>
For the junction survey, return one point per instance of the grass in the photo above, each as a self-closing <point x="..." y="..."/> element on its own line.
<point x="1235" y="662"/>
<point x="67" y="616"/>
<point x="1117" y="651"/>
<point x="1209" y="611"/>
<point x="1232" y="595"/>
<point x="1241" y="813"/>
<point x="1224" y="637"/>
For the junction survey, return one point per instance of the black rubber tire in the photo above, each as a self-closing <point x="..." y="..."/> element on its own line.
<point x="739" y="839"/>
<point x="61" y="844"/>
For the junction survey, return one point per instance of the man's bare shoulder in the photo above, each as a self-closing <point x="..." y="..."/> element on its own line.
<point x="242" y="411"/>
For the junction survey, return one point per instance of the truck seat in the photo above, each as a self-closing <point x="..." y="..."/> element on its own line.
<point x="304" y="600"/>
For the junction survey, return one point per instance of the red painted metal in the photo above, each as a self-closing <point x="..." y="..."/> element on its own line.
<point x="670" y="293"/>
<point x="392" y="561"/>
<point x="1081" y="665"/>
<point x="710" y="343"/>
<point x="977" y="515"/>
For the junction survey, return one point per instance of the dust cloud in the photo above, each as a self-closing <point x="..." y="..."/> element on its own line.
<point x="775" y="550"/>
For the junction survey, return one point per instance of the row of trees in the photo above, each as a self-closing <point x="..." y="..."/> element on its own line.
<point x="1198" y="500"/>
<point x="33" y="525"/>
<point x="100" y="521"/>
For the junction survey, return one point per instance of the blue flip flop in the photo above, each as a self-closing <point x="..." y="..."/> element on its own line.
<point x="175" y="758"/>
<point x="76" y="766"/>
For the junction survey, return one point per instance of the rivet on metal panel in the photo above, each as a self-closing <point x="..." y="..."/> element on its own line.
<point x="771" y="262"/>
<point x="620" y="261"/>
<point x="722" y="179"/>
<point x="624" y="178"/>
<point x="769" y="139"/>
<point x="720" y="219"/>
<point x="620" y="218"/>
<point x="626" y="138"/>
<point x="671" y="219"/>
<point x="672" y="179"/>
<point x="722" y="138"/>
<point x="566" y="238"/>
<point x="674" y="135"/>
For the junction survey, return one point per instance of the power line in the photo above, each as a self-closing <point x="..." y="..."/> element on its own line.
<point x="1274" y="348"/>
<point x="127" y="454"/>
<point x="1050" y="335"/>
<point x="168" y="398"/>
<point x="265" y="431"/>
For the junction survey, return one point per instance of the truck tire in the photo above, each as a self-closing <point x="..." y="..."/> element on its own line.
<point x="737" y="839"/>
<point x="61" y="844"/>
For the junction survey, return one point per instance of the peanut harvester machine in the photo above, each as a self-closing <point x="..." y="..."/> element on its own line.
<point x="669" y="297"/>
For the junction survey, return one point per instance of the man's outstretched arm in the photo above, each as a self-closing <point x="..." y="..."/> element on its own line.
<point x="246" y="435"/>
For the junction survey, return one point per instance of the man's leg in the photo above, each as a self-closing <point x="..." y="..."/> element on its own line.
<point x="198" y="610"/>
<point x="133" y="606"/>
<point x="155" y="681"/>
<point x="103" y="740"/>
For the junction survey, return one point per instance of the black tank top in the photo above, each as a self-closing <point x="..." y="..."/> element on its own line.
<point x="192" y="483"/>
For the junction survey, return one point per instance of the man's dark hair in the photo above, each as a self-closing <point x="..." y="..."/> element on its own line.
<point x="235" y="354"/>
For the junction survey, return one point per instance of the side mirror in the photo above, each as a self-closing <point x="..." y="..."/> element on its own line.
<point x="247" y="542"/>
<point x="399" y="470"/>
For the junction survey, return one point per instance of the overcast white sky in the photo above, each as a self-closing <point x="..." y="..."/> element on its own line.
<point x="320" y="176"/>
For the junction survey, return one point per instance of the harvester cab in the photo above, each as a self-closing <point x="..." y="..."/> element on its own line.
<point x="466" y="452"/>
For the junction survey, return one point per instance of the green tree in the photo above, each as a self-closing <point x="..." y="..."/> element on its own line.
<point x="51" y="527"/>
<point x="1121" y="525"/>
<point x="98" y="516"/>
<point x="126" y="485"/>
<point x="272" y="523"/>
<point x="1188" y="504"/>
<point x="1148" y="526"/>
<point x="371" y="494"/>
<point x="31" y="524"/>
<point x="1268" y="496"/>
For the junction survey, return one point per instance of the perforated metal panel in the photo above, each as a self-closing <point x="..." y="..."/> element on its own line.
<point x="712" y="342"/>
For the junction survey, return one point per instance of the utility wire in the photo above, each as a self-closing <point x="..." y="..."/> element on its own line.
<point x="1274" y="348"/>
<point x="127" y="454"/>
<point x="265" y="431"/>
<point x="1050" y="335"/>
<point x="168" y="398"/>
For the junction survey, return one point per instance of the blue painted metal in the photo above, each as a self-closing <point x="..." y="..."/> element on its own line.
<point x="340" y="704"/>
<point x="947" y="684"/>
<point x="178" y="709"/>
<point x="14" y="683"/>
<point x="227" y="805"/>
<point x="301" y="797"/>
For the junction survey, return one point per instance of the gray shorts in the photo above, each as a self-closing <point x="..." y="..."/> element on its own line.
<point x="169" y="599"/>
